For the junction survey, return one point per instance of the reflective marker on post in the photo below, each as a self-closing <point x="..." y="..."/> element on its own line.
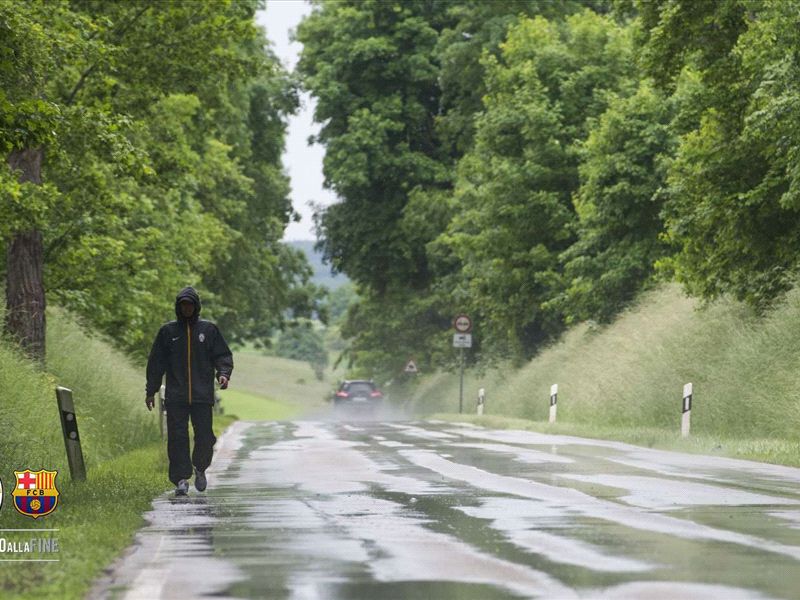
<point x="553" y="402"/>
<point x="481" y="400"/>
<point x="686" y="417"/>
<point x="72" y="440"/>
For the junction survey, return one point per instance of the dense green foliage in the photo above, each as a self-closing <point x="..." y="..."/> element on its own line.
<point x="734" y="186"/>
<point x="514" y="187"/>
<point x="104" y="383"/>
<point x="302" y="342"/>
<point x="398" y="86"/>
<point x="537" y="164"/>
<point x="162" y="127"/>
<point x="534" y="164"/>
<point x="618" y="205"/>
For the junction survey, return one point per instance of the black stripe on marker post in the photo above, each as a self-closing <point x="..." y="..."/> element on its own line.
<point x="686" y="417"/>
<point x="553" y="402"/>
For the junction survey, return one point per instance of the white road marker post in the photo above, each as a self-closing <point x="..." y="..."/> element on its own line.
<point x="686" y="417"/>
<point x="553" y="402"/>
<point x="481" y="400"/>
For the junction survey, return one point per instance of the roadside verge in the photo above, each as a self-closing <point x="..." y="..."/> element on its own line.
<point x="772" y="450"/>
<point x="97" y="521"/>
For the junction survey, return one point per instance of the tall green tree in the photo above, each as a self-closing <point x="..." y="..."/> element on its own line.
<point x="397" y="116"/>
<point x="162" y="156"/>
<point x="619" y="204"/>
<point x="38" y="41"/>
<point x="514" y="191"/>
<point x="733" y="211"/>
<point x="370" y="66"/>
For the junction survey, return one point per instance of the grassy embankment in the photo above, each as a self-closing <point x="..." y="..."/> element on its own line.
<point x="125" y="456"/>
<point x="121" y="445"/>
<point x="273" y="388"/>
<point x="624" y="381"/>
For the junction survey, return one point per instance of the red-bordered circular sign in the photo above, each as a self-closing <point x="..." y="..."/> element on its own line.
<point x="462" y="324"/>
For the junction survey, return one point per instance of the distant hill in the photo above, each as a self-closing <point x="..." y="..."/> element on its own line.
<point x="322" y="273"/>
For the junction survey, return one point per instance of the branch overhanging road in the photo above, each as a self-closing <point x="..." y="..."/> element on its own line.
<point x="325" y="509"/>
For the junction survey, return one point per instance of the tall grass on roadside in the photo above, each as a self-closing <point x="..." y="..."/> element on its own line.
<point x="108" y="393"/>
<point x="29" y="421"/>
<point x="629" y="374"/>
<point x="108" y="390"/>
<point x="124" y="455"/>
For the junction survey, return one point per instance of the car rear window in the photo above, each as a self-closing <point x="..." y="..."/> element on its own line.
<point x="359" y="388"/>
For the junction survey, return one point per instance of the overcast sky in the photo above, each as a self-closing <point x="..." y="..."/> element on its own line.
<point x="302" y="162"/>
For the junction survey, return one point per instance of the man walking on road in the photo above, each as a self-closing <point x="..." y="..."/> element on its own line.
<point x="189" y="350"/>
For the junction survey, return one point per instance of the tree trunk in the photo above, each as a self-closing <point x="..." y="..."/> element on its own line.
<point x="25" y="301"/>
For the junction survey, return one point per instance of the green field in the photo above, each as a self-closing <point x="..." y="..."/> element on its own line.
<point x="281" y="379"/>
<point x="251" y="407"/>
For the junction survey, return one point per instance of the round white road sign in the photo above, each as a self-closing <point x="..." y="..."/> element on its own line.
<point x="463" y="324"/>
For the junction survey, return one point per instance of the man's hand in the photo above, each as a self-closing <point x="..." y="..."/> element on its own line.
<point x="223" y="382"/>
<point x="150" y="402"/>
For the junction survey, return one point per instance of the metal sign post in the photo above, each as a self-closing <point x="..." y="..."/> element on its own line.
<point x="461" y="386"/>
<point x="72" y="441"/>
<point x="462" y="339"/>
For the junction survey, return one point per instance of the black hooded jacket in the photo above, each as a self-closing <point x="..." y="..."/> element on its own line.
<point x="189" y="351"/>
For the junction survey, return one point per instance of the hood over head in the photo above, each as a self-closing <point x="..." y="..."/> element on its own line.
<point x="188" y="293"/>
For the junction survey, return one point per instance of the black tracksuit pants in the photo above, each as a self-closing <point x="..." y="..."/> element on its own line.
<point x="180" y="463"/>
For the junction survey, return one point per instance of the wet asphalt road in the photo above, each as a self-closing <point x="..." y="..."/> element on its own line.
<point x="315" y="509"/>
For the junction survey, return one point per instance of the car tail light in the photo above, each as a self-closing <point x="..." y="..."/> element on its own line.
<point x="376" y="394"/>
<point x="342" y="395"/>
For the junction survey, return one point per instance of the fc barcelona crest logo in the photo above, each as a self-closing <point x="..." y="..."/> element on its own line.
<point x="35" y="494"/>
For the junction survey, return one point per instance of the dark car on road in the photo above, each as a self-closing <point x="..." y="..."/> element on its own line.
<point x="358" y="393"/>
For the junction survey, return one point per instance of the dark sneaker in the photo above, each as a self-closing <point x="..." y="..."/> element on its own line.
<point x="182" y="488"/>
<point x="200" y="481"/>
